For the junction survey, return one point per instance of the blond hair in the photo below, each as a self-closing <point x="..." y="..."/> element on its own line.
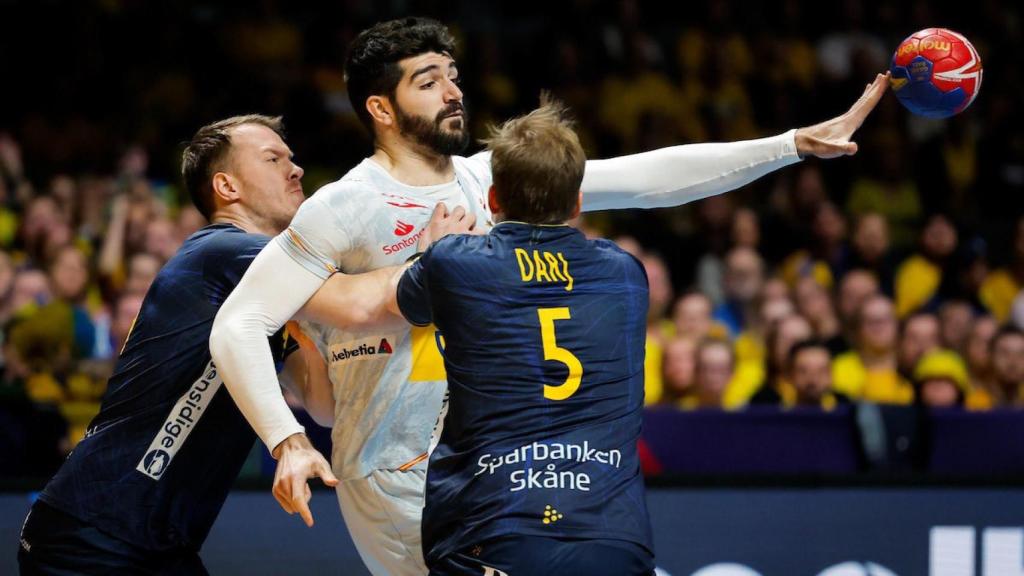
<point x="537" y="162"/>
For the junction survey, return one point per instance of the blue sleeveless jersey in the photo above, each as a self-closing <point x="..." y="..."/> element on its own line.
<point x="158" y="460"/>
<point x="543" y="340"/>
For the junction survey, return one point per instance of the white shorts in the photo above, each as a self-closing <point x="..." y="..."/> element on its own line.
<point x="383" y="513"/>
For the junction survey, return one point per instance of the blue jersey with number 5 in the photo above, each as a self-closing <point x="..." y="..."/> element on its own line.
<point x="543" y="334"/>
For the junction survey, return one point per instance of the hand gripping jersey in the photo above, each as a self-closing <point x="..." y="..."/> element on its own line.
<point x="388" y="385"/>
<point x="543" y="334"/>
<point x="158" y="460"/>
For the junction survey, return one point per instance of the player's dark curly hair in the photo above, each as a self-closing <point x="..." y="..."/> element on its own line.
<point x="371" y="68"/>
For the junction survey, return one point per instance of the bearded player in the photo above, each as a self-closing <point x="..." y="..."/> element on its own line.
<point x="389" y="382"/>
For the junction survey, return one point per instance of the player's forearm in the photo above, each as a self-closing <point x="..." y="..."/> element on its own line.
<point x="347" y="300"/>
<point x="272" y="290"/>
<point x="681" y="174"/>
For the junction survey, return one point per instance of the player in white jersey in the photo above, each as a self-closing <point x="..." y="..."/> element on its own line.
<point x="404" y="84"/>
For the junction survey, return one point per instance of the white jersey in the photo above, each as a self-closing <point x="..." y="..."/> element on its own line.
<point x="388" y="385"/>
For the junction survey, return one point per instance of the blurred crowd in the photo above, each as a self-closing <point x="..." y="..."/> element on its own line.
<point x="844" y="319"/>
<point x="889" y="277"/>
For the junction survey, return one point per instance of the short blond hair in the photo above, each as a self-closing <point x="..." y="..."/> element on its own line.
<point x="537" y="163"/>
<point x="205" y="153"/>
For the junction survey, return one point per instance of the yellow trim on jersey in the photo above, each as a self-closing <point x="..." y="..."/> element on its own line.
<point x="427" y="363"/>
<point x="529" y="224"/>
<point x="413" y="462"/>
<point x="299" y="243"/>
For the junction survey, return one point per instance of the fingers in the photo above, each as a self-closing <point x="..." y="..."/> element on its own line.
<point x="872" y="95"/>
<point x="300" y="499"/>
<point x="458" y="214"/>
<point x="324" y="472"/>
<point x="281" y="495"/>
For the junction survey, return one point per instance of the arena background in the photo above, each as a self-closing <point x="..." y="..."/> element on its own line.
<point x="97" y="97"/>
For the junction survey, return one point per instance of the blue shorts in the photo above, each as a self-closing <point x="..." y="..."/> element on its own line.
<point x="530" y="555"/>
<point x="53" y="543"/>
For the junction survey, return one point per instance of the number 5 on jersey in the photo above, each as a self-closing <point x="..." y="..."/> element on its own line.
<point x="552" y="351"/>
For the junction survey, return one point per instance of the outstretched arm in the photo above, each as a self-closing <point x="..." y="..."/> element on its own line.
<point x="681" y="174"/>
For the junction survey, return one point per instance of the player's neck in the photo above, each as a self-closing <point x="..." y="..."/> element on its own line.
<point x="244" y="221"/>
<point x="413" y="165"/>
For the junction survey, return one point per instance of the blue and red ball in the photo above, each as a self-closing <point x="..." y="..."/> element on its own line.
<point x="936" y="73"/>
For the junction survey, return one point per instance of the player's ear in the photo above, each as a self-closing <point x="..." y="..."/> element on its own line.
<point x="492" y="200"/>
<point x="380" y="110"/>
<point x="579" y="205"/>
<point x="224" y="188"/>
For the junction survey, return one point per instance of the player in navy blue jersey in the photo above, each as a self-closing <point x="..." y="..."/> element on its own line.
<point x="141" y="491"/>
<point x="543" y="331"/>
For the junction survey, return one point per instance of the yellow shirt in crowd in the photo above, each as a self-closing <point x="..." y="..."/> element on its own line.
<point x="917" y="279"/>
<point x="852" y="378"/>
<point x="997" y="293"/>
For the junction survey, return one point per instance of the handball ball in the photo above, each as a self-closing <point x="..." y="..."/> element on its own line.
<point x="936" y="73"/>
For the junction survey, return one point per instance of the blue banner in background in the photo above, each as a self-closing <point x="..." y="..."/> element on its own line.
<point x="851" y="440"/>
<point x="697" y="532"/>
<point x="839" y="532"/>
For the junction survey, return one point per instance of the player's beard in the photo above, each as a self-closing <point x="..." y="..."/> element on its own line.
<point x="431" y="133"/>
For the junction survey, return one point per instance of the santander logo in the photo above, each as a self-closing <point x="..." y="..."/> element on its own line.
<point x="401" y="228"/>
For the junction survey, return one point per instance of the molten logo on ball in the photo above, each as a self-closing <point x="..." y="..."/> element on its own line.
<point x="936" y="73"/>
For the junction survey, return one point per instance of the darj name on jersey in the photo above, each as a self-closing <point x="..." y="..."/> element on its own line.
<point x="543" y="266"/>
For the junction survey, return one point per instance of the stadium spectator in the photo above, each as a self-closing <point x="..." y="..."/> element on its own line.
<point x="142" y="269"/>
<point x="125" y="311"/>
<point x="1002" y="285"/>
<point x="871" y="250"/>
<point x="776" y="387"/>
<point x="692" y="317"/>
<point x="825" y="258"/>
<point x="69" y="278"/>
<point x="978" y="355"/>
<point x="659" y="328"/>
<point x="809" y="372"/>
<point x="1008" y="366"/>
<point x="742" y="282"/>
<point x="892" y="193"/>
<point x="679" y="374"/>
<point x="713" y="372"/>
<point x="940" y="379"/>
<point x="745" y="232"/>
<point x="919" y="334"/>
<point x="956" y="317"/>
<point x="925" y="278"/>
<point x="814" y="303"/>
<point x="162" y="239"/>
<point x="869" y="371"/>
<point x="856" y="287"/>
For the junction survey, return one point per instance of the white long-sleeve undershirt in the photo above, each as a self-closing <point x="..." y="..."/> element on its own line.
<point x="276" y="286"/>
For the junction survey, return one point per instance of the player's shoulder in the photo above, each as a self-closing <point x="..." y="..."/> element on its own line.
<point x="457" y="245"/>
<point x="359" y="183"/>
<point x="614" y="253"/>
<point x="477" y="167"/>
<point x="224" y="240"/>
